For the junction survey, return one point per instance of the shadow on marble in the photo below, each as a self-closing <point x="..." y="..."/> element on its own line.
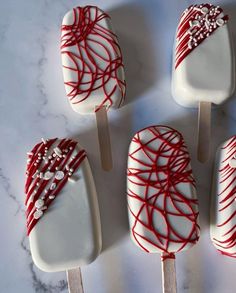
<point x="136" y="44"/>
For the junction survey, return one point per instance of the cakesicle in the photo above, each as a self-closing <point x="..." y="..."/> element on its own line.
<point x="63" y="222"/>
<point x="162" y="200"/>
<point x="203" y="65"/>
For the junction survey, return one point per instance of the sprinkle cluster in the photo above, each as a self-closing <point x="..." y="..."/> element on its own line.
<point x="49" y="166"/>
<point x="197" y="23"/>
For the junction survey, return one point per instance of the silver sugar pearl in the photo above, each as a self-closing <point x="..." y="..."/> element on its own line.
<point x="39" y="203"/>
<point x="38" y="214"/>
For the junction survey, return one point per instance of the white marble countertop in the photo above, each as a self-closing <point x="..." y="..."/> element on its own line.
<point x="33" y="104"/>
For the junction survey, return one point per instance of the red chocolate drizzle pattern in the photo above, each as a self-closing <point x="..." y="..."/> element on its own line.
<point x="157" y="166"/>
<point x="226" y="200"/>
<point x="95" y="58"/>
<point x="197" y="23"/>
<point x="43" y="159"/>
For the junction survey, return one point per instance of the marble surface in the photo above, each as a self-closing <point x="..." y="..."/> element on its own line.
<point x="33" y="105"/>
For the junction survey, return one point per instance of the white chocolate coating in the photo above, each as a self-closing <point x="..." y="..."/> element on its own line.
<point x="207" y="73"/>
<point x="69" y="233"/>
<point x="223" y="204"/>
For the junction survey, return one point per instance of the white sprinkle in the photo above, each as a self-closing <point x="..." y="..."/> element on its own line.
<point x="59" y="175"/>
<point x="45" y="191"/>
<point x="48" y="175"/>
<point x="204" y="10"/>
<point x="35" y="164"/>
<point x="50" y="157"/>
<point x="220" y="22"/>
<point x="58" y="159"/>
<point x="70" y="148"/>
<point x="67" y="167"/>
<point x="39" y="203"/>
<point x="51" y="196"/>
<point x="35" y="191"/>
<point x="41" y="175"/>
<point x="37" y="183"/>
<point x="64" y="156"/>
<point x="71" y="169"/>
<point x="66" y="151"/>
<point x="69" y="173"/>
<point x="38" y="214"/>
<point x="196" y="23"/>
<point x="57" y="168"/>
<point x="54" y="155"/>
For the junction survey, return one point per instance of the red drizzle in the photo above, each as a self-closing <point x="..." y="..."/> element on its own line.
<point x="161" y="186"/>
<point x="94" y="60"/>
<point x="196" y="24"/>
<point x="42" y="159"/>
<point x="226" y="226"/>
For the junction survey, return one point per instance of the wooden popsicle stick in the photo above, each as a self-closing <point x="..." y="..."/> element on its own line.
<point x="204" y="131"/>
<point x="74" y="279"/>
<point x="104" y="139"/>
<point x="168" y="275"/>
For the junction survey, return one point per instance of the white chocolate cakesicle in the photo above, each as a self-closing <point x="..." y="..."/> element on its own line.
<point x="223" y="204"/>
<point x="162" y="201"/>
<point x="62" y="213"/>
<point x="92" y="61"/>
<point x="203" y="59"/>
